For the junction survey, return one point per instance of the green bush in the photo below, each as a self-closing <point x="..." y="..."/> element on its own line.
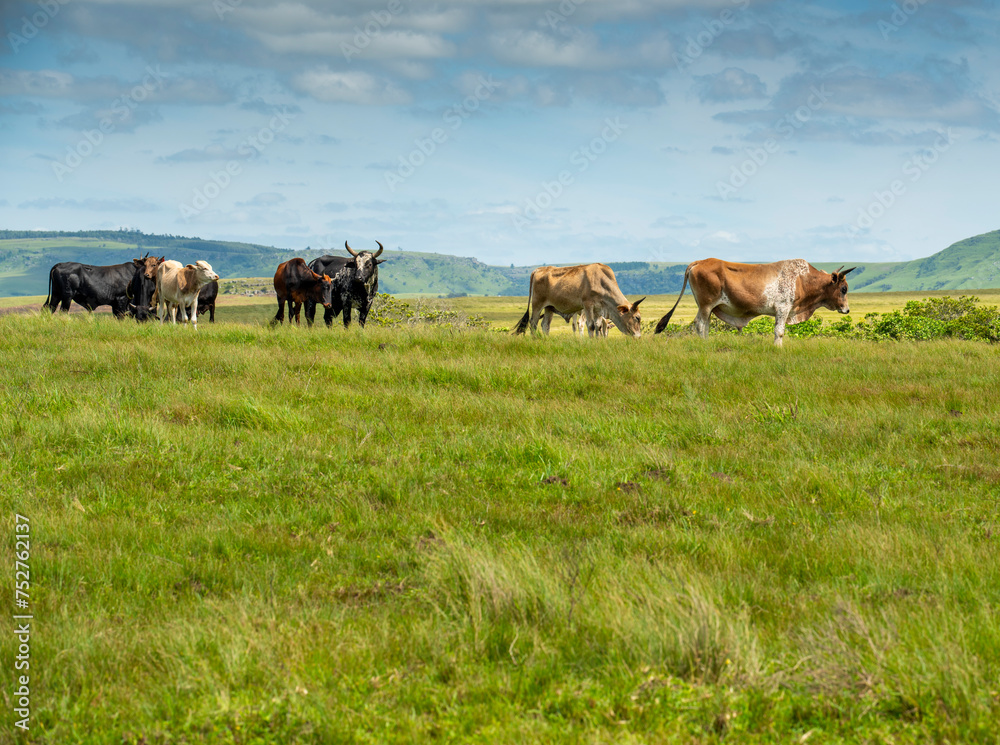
<point x="920" y="320"/>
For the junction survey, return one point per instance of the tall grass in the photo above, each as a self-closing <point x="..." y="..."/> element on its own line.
<point x="250" y="535"/>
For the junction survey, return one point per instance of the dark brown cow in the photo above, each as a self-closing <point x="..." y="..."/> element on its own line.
<point x="295" y="283"/>
<point x="590" y="289"/>
<point x="790" y="291"/>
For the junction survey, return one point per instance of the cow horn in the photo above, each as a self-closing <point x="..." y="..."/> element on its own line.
<point x="636" y="303"/>
<point x="844" y="274"/>
<point x="838" y="271"/>
<point x="381" y="248"/>
<point x="350" y="250"/>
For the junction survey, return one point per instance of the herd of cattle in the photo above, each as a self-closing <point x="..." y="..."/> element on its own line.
<point x="156" y="284"/>
<point x="588" y="295"/>
<point x="790" y="291"/>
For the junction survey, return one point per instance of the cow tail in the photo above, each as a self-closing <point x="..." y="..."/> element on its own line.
<point x="666" y="319"/>
<point x="48" y="298"/>
<point x="522" y="325"/>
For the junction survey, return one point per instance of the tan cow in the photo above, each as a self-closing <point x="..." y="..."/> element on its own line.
<point x="790" y="291"/>
<point x="177" y="286"/>
<point x="590" y="288"/>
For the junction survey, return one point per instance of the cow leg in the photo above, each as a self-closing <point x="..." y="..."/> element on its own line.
<point x="211" y="311"/>
<point x="294" y="309"/>
<point x="546" y="321"/>
<point x="194" y="314"/>
<point x="779" y="327"/>
<point x="701" y="322"/>
<point x="347" y="315"/>
<point x="310" y="312"/>
<point x="280" y="316"/>
<point x="363" y="314"/>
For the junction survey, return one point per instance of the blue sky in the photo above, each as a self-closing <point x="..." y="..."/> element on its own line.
<point x="516" y="131"/>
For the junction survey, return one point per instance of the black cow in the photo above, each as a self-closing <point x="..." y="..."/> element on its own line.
<point x="142" y="288"/>
<point x="90" y="286"/>
<point x="355" y="284"/>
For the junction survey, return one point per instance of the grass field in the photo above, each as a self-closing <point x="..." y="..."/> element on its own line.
<point x="504" y="312"/>
<point x="278" y="536"/>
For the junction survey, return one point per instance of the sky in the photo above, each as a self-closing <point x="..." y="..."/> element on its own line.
<point x="516" y="131"/>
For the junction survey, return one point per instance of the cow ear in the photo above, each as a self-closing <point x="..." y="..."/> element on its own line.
<point x="381" y="261"/>
<point x="623" y="309"/>
<point x="326" y="278"/>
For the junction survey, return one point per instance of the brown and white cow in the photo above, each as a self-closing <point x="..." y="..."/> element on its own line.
<point x="177" y="287"/>
<point x="590" y="288"/>
<point x="790" y="291"/>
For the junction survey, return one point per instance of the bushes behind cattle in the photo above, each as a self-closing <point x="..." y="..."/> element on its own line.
<point x="920" y="320"/>
<point x="389" y="311"/>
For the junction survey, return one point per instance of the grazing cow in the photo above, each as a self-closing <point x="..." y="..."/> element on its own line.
<point x="90" y="286"/>
<point x="355" y="284"/>
<point x="177" y="287"/>
<point x="294" y="283"/>
<point x="142" y="289"/>
<point x="791" y="291"/>
<point x="590" y="288"/>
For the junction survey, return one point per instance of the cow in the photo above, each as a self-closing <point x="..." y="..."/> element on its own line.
<point x="294" y="283"/>
<point x="142" y="289"/>
<point x="177" y="288"/>
<point x="206" y="299"/>
<point x="90" y="286"/>
<point x="355" y="284"/>
<point x="790" y="291"/>
<point x="591" y="288"/>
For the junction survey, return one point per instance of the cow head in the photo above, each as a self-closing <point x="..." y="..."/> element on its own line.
<point x="835" y="292"/>
<point x="629" y="321"/>
<point x="325" y="290"/>
<point x="365" y="266"/>
<point x="204" y="272"/>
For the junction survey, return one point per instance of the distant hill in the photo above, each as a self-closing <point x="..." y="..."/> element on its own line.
<point x="27" y="256"/>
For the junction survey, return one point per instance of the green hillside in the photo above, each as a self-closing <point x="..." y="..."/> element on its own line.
<point x="27" y="256"/>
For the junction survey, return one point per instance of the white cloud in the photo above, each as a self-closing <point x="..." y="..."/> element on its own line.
<point x="357" y="87"/>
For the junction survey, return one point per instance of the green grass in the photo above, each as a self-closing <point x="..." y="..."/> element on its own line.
<point x="248" y="535"/>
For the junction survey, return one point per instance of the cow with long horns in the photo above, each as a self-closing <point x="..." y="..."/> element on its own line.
<point x="355" y="284"/>
<point x="790" y="291"/>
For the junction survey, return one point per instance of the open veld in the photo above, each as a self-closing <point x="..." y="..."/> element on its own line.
<point x="254" y="535"/>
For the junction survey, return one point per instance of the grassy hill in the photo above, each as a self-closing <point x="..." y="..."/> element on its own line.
<point x="27" y="256"/>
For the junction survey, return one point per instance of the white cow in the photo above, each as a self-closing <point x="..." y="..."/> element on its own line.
<point x="177" y="286"/>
